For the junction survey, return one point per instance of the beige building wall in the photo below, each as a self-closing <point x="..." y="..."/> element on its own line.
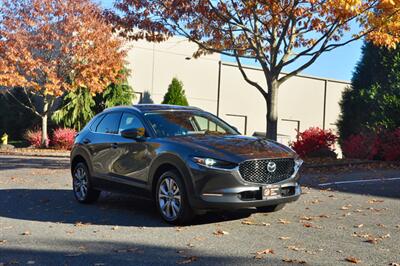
<point x="304" y="100"/>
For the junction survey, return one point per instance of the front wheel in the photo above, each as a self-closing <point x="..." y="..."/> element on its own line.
<point x="271" y="208"/>
<point x="172" y="200"/>
<point x="83" y="191"/>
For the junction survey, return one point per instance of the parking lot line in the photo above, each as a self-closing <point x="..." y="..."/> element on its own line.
<point x="359" y="181"/>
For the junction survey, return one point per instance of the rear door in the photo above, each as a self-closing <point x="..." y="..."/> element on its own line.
<point x="103" y="143"/>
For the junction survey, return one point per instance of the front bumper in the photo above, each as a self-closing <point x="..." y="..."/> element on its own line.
<point x="225" y="189"/>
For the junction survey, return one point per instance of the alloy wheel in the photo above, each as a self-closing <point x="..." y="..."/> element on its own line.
<point x="169" y="198"/>
<point x="80" y="183"/>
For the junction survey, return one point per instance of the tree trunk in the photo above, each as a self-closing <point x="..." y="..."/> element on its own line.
<point x="45" y="141"/>
<point x="272" y="110"/>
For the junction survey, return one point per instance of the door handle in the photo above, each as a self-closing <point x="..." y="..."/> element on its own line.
<point x="86" y="141"/>
<point x="114" y="145"/>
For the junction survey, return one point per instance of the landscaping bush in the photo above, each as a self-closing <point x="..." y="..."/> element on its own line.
<point x="315" y="142"/>
<point x="63" y="138"/>
<point x="34" y="137"/>
<point x="390" y="145"/>
<point x="361" y="146"/>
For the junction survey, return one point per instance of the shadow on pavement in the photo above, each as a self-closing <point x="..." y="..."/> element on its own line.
<point x="15" y="163"/>
<point x="64" y="252"/>
<point x="59" y="205"/>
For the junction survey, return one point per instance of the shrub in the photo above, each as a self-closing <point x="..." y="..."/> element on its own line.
<point x="315" y="142"/>
<point x="361" y="146"/>
<point x="63" y="138"/>
<point x="390" y="145"/>
<point x="34" y="137"/>
<point x="175" y="94"/>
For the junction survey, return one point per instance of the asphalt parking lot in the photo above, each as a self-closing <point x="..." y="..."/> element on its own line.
<point x="335" y="222"/>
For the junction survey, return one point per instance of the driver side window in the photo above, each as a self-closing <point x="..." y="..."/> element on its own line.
<point x="128" y="121"/>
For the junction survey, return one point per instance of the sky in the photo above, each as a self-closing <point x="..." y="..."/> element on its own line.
<point x="338" y="64"/>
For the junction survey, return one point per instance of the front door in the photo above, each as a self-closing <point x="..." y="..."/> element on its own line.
<point x="132" y="157"/>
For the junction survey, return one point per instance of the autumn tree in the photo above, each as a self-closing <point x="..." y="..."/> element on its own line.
<point x="50" y="47"/>
<point x="278" y="34"/>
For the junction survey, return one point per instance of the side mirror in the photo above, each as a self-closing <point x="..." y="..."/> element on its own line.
<point x="133" y="133"/>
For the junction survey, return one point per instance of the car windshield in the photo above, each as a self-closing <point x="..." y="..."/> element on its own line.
<point x="182" y="123"/>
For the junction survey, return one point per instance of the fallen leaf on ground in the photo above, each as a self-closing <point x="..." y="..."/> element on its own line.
<point x="187" y="260"/>
<point x="220" y="232"/>
<point x="353" y="260"/>
<point x="346" y="207"/>
<point x="263" y="252"/>
<point x="248" y="222"/>
<point x="375" y="201"/>
<point x="79" y="223"/>
<point x="284" y="238"/>
<point x="372" y="241"/>
<point x="358" y="225"/>
<point x="283" y="221"/>
<point x="306" y="218"/>
<point x="323" y="216"/>
<point x="294" y="248"/>
<point x="294" y="261"/>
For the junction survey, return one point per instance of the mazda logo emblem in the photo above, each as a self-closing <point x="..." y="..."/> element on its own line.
<point x="271" y="167"/>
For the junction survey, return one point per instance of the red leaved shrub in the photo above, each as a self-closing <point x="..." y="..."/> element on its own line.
<point x="390" y="145"/>
<point x="315" y="142"/>
<point x="34" y="137"/>
<point x="63" y="138"/>
<point x="361" y="146"/>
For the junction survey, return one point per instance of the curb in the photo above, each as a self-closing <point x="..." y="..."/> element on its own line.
<point x="52" y="155"/>
<point x="348" y="164"/>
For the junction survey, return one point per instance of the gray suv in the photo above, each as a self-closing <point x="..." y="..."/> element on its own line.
<point x="186" y="159"/>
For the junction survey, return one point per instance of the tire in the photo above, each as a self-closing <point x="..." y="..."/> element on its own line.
<point x="271" y="208"/>
<point x="171" y="199"/>
<point x="81" y="184"/>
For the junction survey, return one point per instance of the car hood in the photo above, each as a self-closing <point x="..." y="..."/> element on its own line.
<point x="236" y="146"/>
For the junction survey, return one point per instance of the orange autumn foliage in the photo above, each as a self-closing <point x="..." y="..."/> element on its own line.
<point x="49" y="47"/>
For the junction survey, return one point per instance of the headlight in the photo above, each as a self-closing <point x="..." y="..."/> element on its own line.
<point x="213" y="163"/>
<point x="297" y="163"/>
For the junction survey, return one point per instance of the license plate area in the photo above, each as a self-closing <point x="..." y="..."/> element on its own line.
<point x="270" y="192"/>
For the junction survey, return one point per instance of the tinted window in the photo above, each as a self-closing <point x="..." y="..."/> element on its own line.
<point x="128" y="121"/>
<point x="96" y="122"/>
<point x="109" y="124"/>
<point x="179" y="123"/>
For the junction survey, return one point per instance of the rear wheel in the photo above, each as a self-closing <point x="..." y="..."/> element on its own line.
<point x="271" y="208"/>
<point x="83" y="191"/>
<point x="171" y="199"/>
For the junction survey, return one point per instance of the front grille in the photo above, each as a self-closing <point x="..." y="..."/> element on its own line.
<point x="256" y="171"/>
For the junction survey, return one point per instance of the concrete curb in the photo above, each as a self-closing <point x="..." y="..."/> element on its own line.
<point x="348" y="164"/>
<point x="37" y="154"/>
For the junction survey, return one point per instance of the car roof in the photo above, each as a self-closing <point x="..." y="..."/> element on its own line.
<point x="144" y="108"/>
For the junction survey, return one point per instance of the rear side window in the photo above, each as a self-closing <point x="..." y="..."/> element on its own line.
<point x="96" y="122"/>
<point x="109" y="124"/>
